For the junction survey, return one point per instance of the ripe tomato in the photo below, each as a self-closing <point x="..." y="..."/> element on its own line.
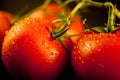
<point x="54" y="11"/>
<point x="51" y="9"/>
<point x="96" y="56"/>
<point x="5" y="19"/>
<point x="9" y="16"/>
<point x="76" y="27"/>
<point x="29" y="51"/>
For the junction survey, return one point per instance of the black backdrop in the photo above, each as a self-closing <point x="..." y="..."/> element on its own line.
<point x="14" y="6"/>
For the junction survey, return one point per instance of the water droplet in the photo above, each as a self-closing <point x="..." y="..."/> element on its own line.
<point x="94" y="38"/>
<point x="22" y="24"/>
<point x="13" y="42"/>
<point x="76" y="47"/>
<point x="99" y="49"/>
<point x="79" y="51"/>
<point x="82" y="43"/>
<point x="97" y="41"/>
<point x="80" y="57"/>
<point x="52" y="54"/>
<point x="99" y="44"/>
<point x="6" y="32"/>
<point x="82" y="62"/>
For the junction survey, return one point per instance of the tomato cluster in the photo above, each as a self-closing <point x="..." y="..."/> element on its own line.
<point x="53" y="43"/>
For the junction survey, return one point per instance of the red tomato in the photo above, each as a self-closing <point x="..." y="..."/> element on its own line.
<point x="8" y="15"/>
<point x="49" y="14"/>
<point x="5" y="19"/>
<point x="76" y="27"/>
<point x="29" y="51"/>
<point x="50" y="9"/>
<point x="96" y="56"/>
<point x="55" y="11"/>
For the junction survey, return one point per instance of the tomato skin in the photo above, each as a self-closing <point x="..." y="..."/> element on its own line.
<point x="30" y="53"/>
<point x="96" y="56"/>
<point x="9" y="16"/>
<point x="5" y="19"/>
<point x="76" y="27"/>
<point x="50" y="10"/>
<point x="54" y="11"/>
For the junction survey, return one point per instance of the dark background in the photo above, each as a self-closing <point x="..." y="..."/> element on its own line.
<point x="95" y="16"/>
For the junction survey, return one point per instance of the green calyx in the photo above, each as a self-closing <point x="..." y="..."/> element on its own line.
<point x="62" y="27"/>
<point x="112" y="13"/>
<point x="59" y="32"/>
<point x="66" y="21"/>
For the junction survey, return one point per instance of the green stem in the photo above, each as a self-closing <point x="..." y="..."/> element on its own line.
<point x="66" y="3"/>
<point x="45" y="3"/>
<point x="117" y="13"/>
<point x="111" y="14"/>
<point x="106" y="4"/>
<point x="17" y="16"/>
<point x="58" y="2"/>
<point x="66" y="21"/>
<point x="78" y="6"/>
<point x="20" y="16"/>
<point x="111" y="18"/>
<point x="85" y="3"/>
<point x="93" y="3"/>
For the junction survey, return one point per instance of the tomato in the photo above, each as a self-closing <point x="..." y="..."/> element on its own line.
<point x="5" y="19"/>
<point x="9" y="16"/>
<point x="51" y="9"/>
<point x="29" y="51"/>
<point x="54" y="11"/>
<point x="76" y="27"/>
<point x="96" y="56"/>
